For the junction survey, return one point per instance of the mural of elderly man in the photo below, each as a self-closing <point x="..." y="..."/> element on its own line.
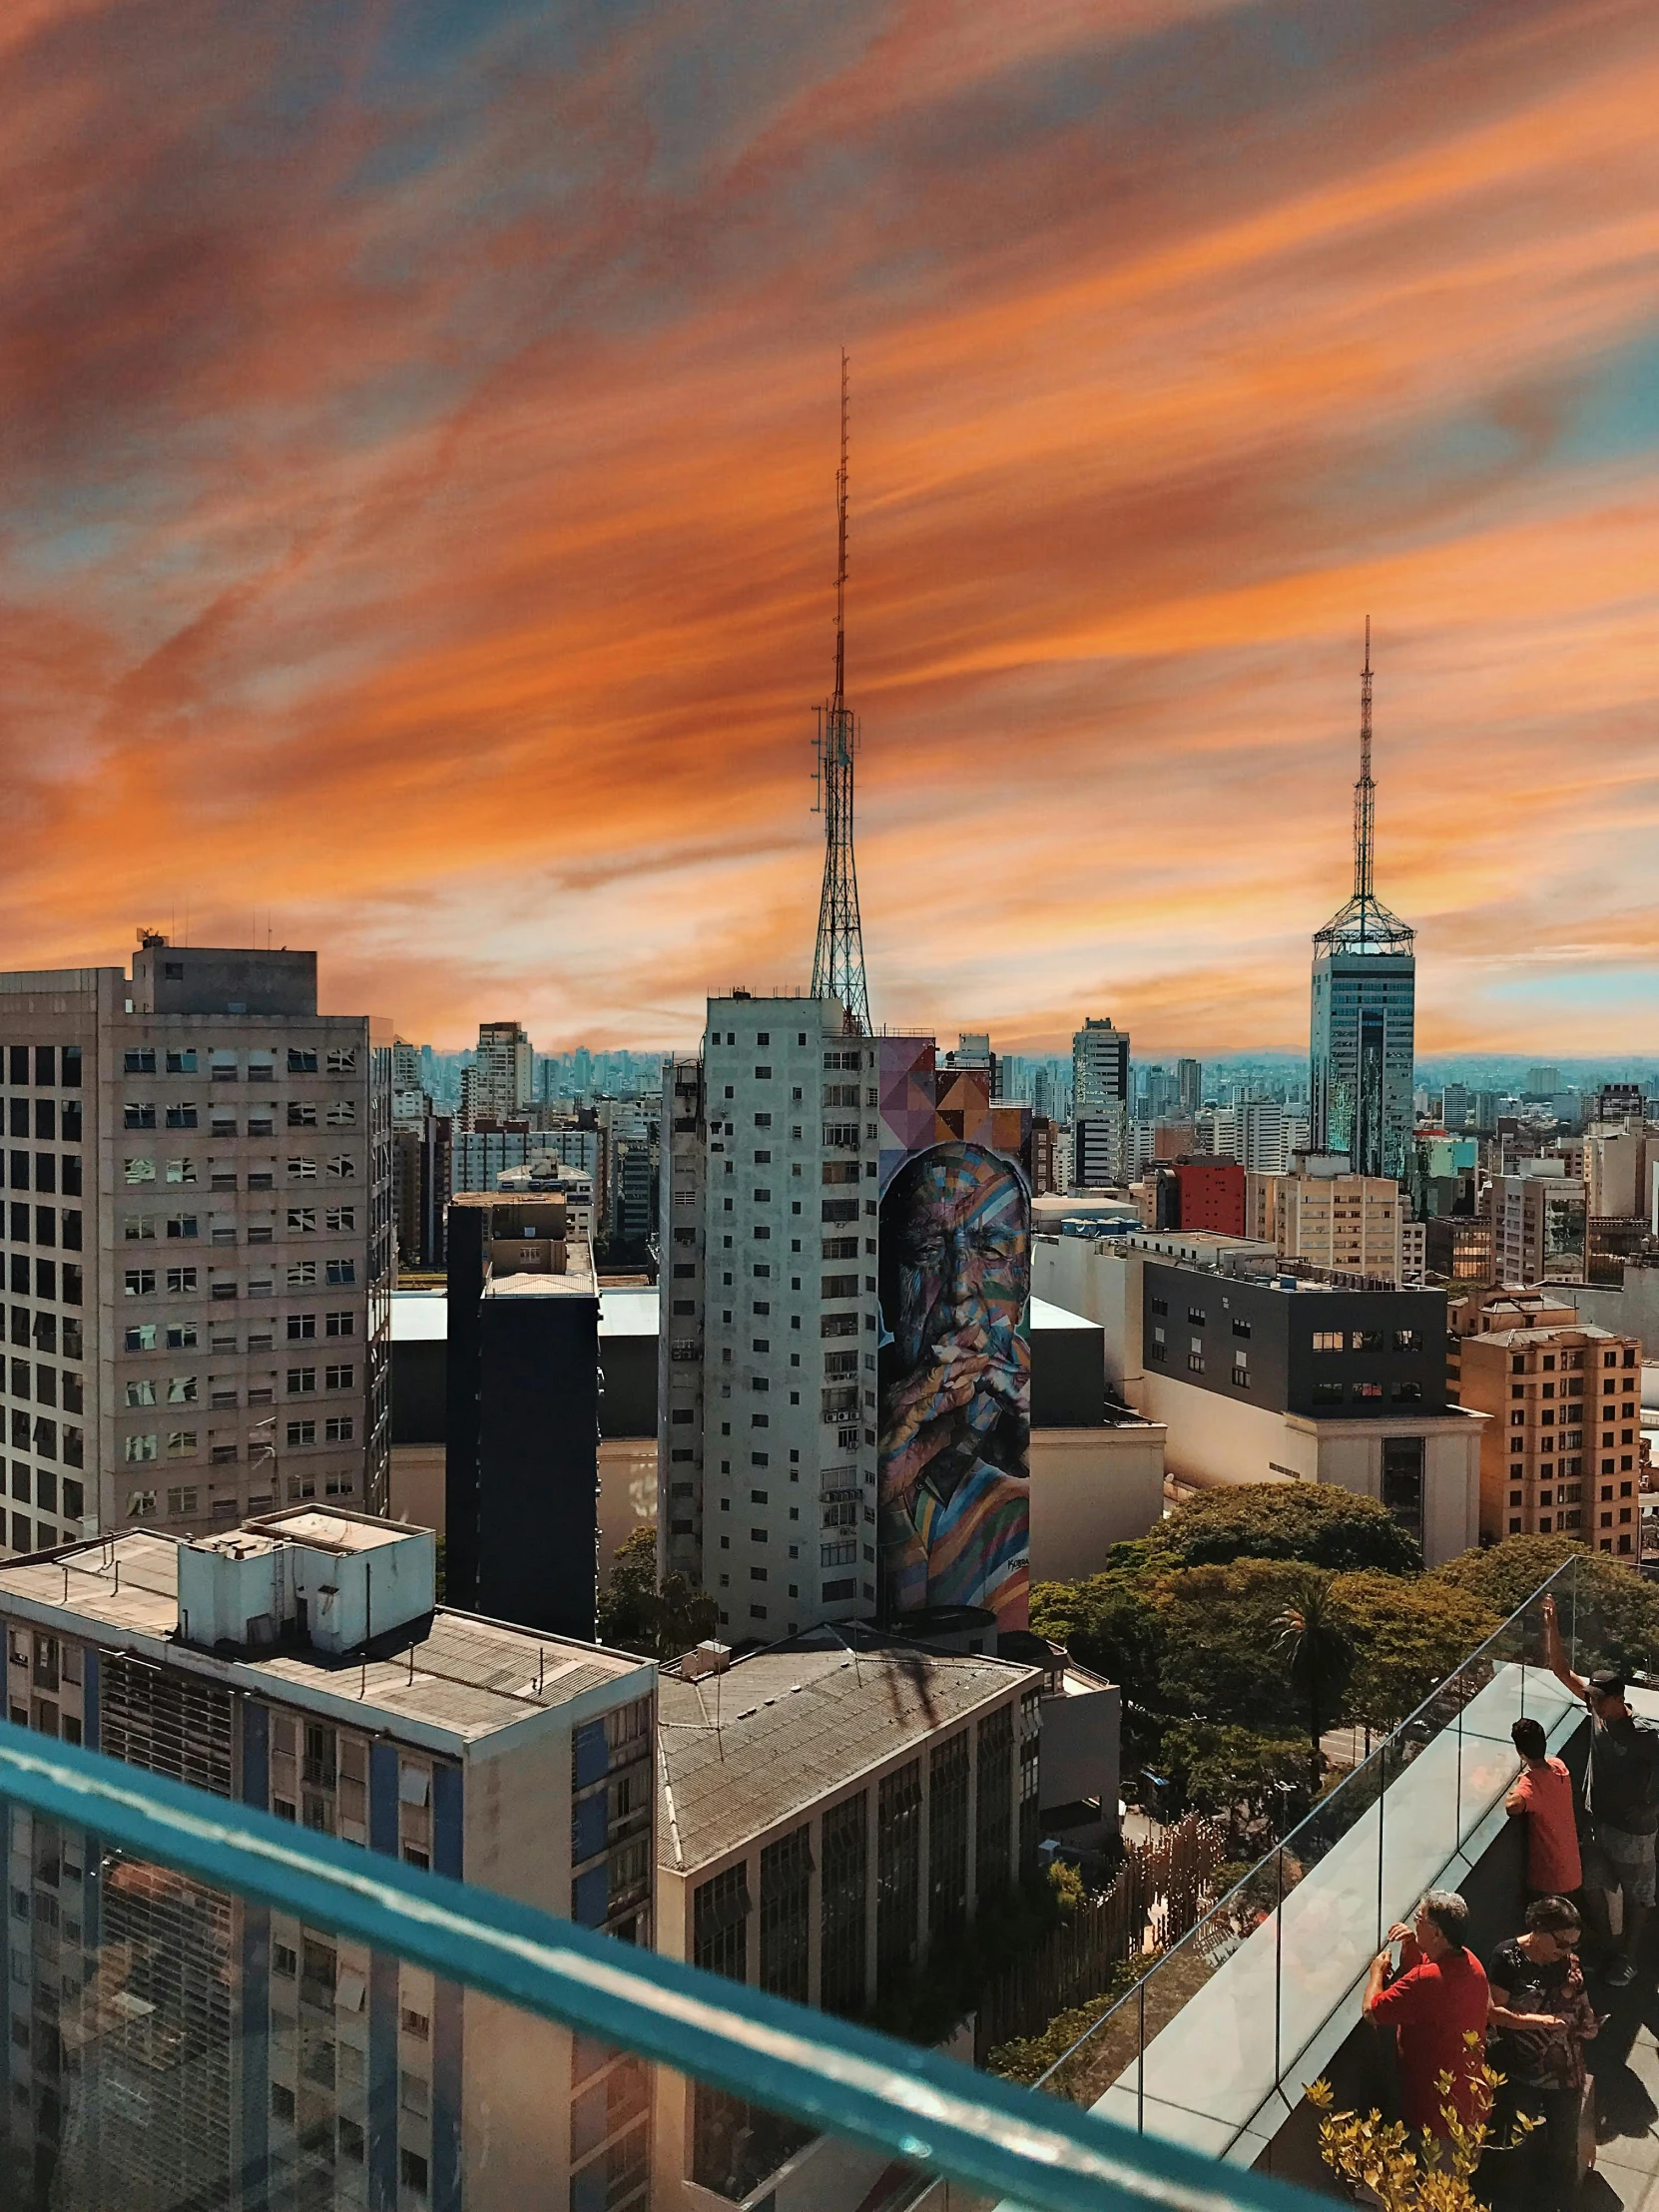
<point x="957" y="1384"/>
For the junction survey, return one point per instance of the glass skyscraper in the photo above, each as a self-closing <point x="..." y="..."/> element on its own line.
<point x="1363" y="1037"/>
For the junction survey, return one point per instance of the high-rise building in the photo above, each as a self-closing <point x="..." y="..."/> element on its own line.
<point x="500" y="1084"/>
<point x="766" y="1378"/>
<point x="1102" y="1154"/>
<point x="1099" y="1070"/>
<point x="1542" y="1082"/>
<point x="1362" y="1055"/>
<point x="1454" y="1108"/>
<point x="198" y="1243"/>
<point x="1189" y="1083"/>
<point x="225" y="2054"/>
<point x="522" y="1470"/>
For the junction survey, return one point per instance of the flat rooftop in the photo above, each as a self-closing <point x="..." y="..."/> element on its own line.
<point x="456" y="1676"/>
<point x="782" y="1729"/>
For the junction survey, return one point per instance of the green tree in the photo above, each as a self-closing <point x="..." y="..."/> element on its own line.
<point x="1109" y="1623"/>
<point x="1312" y="1634"/>
<point x="1313" y="1521"/>
<point x="1406" y="1637"/>
<point x="636" y="1613"/>
<point x="1226" y="1770"/>
<point x="1609" y="1610"/>
<point x="1223" y="1659"/>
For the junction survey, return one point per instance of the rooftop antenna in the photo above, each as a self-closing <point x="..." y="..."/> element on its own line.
<point x="1364" y="791"/>
<point x="839" y="959"/>
<point x="1364" y="924"/>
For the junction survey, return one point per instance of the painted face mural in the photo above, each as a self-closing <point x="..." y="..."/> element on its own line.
<point x="955" y="1385"/>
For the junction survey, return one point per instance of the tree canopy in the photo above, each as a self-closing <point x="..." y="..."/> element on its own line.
<point x="636" y="1614"/>
<point x="1609" y="1615"/>
<point x="1313" y="1521"/>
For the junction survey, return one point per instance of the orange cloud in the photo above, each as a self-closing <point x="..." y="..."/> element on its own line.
<point x="416" y="529"/>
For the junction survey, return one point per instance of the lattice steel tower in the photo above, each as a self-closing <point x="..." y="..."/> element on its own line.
<point x="838" y="961"/>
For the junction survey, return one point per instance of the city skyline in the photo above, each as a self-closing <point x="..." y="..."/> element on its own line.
<point x="1152" y="403"/>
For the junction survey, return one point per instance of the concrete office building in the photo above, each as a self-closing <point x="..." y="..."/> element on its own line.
<point x="828" y="1808"/>
<point x="767" y="1376"/>
<point x="231" y="2054"/>
<point x="1561" y="1450"/>
<point x="198" y="1243"/>
<point x="521" y="1475"/>
<point x="1257" y="1376"/>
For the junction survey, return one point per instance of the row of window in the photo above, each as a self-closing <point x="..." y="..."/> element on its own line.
<point x="50" y="1123"/>
<point x="40" y="1486"/>
<point x="54" y="1066"/>
<point x="186" y="1281"/>
<point x="45" y="1175"/>
<point x="185" y="1444"/>
<point x="1367" y="1340"/>
<point x="261" y="1065"/>
<point x="46" y="1384"/>
<point x="339" y="1168"/>
<point x="43" y="1331"/>
<point x="44" y="1437"/>
<point x="45" y="1226"/>
<point x="185" y="1113"/>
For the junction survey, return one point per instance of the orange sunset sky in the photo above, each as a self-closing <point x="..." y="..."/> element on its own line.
<point x="419" y="439"/>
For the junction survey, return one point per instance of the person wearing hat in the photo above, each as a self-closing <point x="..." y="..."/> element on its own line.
<point x="1622" y="1796"/>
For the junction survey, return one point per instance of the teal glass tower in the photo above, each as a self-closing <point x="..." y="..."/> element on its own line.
<point x="1364" y="1005"/>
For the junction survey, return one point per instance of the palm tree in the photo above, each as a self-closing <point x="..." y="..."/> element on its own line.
<point x="1314" y="1637"/>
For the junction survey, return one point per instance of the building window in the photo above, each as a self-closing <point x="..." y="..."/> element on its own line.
<point x="786" y="1897"/>
<point x="720" y="1924"/>
<point x="842" y="1955"/>
<point x="1402" y="1483"/>
<point x="948" y="1836"/>
<point x="1327" y="1340"/>
<point x="898" y="1874"/>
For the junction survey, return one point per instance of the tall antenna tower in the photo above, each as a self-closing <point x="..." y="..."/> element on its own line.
<point x="1364" y="924"/>
<point x="838" y="960"/>
<point x="1364" y="791"/>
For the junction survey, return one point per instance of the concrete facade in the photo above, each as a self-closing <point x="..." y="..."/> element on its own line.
<point x="200" y="1243"/>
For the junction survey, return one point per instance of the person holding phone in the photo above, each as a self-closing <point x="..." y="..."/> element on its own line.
<point x="1541" y="2019"/>
<point x="1435" y="2001"/>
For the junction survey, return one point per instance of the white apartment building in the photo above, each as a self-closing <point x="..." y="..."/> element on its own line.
<point x="767" y="1374"/>
<point x="277" y="2058"/>
<point x="199" y="1245"/>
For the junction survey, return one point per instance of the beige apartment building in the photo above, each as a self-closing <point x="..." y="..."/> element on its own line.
<point x="1349" y="1224"/>
<point x="1561" y="1448"/>
<point x="199" y="1250"/>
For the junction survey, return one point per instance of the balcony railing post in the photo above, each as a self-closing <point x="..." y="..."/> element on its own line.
<point x="1278" y="1959"/>
<point x="1140" y="2060"/>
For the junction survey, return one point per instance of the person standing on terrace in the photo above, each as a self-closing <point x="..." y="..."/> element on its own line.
<point x="1542" y="1798"/>
<point x="1622" y="1796"/>
<point x="1436" y="2006"/>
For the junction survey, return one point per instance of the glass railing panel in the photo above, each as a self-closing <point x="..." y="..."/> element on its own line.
<point x="208" y="2010"/>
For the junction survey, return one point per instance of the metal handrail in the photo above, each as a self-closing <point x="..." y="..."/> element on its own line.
<point x="844" y="2081"/>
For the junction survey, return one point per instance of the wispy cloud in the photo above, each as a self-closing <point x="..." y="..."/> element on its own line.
<point x="415" y="459"/>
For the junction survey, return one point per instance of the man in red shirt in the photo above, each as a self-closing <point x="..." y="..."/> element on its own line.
<point x="1435" y="2003"/>
<point x="1542" y="1797"/>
